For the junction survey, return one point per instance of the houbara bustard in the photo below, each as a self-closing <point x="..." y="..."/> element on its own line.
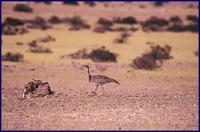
<point x="99" y="80"/>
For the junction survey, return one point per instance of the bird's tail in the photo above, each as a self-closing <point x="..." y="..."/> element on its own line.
<point x="115" y="81"/>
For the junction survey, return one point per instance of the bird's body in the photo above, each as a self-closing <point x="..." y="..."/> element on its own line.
<point x="99" y="80"/>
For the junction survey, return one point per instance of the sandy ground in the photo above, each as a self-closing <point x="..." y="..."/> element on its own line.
<point x="164" y="99"/>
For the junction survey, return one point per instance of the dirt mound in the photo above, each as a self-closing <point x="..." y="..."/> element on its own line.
<point x="23" y="8"/>
<point x="153" y="59"/>
<point x="15" y="57"/>
<point x="36" y="88"/>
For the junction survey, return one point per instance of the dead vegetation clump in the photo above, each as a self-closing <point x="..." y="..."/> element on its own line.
<point x="154" y="24"/>
<point x="14" y="57"/>
<point x="10" y="21"/>
<point x="77" y="23"/>
<point x="23" y="8"/>
<point x="36" y="88"/>
<point x="55" y="20"/>
<point x="126" y="20"/>
<point x="102" y="55"/>
<point x="154" y="58"/>
<point x="175" y="19"/>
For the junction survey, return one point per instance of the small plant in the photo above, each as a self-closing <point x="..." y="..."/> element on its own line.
<point x="91" y="3"/>
<point x="80" y="54"/>
<point x="15" y="57"/>
<point x="23" y="8"/>
<point x="123" y="38"/>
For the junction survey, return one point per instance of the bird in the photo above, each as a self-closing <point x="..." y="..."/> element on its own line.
<point x="99" y="80"/>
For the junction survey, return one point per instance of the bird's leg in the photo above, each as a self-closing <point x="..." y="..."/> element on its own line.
<point x="94" y="92"/>
<point x="103" y="89"/>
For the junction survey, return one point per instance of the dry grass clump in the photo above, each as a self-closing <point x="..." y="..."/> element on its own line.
<point x="14" y="57"/>
<point x="154" y="58"/>
<point x="55" y="20"/>
<point x="38" y="23"/>
<point x="73" y="3"/>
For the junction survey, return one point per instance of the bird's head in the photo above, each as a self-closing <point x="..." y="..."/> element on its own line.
<point x="86" y="66"/>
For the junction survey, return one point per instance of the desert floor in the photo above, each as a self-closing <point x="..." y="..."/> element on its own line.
<point x="165" y="98"/>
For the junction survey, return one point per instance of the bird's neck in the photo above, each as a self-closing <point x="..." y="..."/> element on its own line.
<point x="89" y="75"/>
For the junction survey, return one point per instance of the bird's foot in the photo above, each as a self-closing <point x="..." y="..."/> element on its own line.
<point x="94" y="92"/>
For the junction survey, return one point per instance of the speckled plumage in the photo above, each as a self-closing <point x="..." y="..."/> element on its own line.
<point x="99" y="79"/>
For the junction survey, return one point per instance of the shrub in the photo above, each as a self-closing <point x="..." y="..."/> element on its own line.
<point x="192" y="18"/>
<point x="35" y="48"/>
<point x="13" y="22"/>
<point x="175" y="19"/>
<point x="102" y="55"/>
<point x="126" y="20"/>
<point x="90" y="3"/>
<point x="15" y="57"/>
<point x="150" y="59"/>
<point x="154" y="24"/>
<point x="38" y="23"/>
<point x="74" y="3"/>
<point x="196" y="53"/>
<point x="123" y="38"/>
<point x="192" y="27"/>
<point x="55" y="20"/>
<point x="23" y="8"/>
<point x="105" y="22"/>
<point x="77" y="23"/>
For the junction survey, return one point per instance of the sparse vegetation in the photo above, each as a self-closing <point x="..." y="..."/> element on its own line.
<point x="14" y="57"/>
<point x="153" y="59"/>
<point x="196" y="53"/>
<point x="23" y="8"/>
